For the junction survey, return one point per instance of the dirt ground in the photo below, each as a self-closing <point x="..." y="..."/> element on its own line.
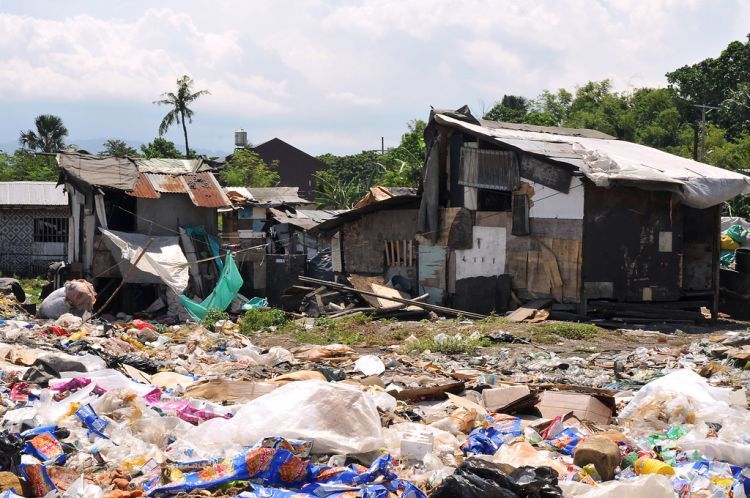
<point x="562" y="338"/>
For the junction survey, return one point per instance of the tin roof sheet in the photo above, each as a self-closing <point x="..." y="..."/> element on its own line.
<point x="32" y="194"/>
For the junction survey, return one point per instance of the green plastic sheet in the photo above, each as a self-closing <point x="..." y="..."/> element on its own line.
<point x="223" y="294"/>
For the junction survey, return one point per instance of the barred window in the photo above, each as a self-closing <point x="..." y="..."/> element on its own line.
<point x="50" y="230"/>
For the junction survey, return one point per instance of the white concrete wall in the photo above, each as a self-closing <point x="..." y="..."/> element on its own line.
<point x="549" y="203"/>
<point x="487" y="255"/>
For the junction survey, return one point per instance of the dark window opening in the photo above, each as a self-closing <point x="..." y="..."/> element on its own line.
<point x="51" y="230"/>
<point x="520" y="215"/>
<point x="494" y="200"/>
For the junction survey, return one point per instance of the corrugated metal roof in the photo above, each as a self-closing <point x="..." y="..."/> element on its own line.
<point x="270" y="195"/>
<point x="203" y="188"/>
<point x="606" y="161"/>
<point x="144" y="189"/>
<point x="170" y="166"/>
<point x="32" y="194"/>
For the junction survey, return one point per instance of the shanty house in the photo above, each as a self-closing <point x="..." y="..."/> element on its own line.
<point x="569" y="214"/>
<point x="376" y="238"/>
<point x="33" y="226"/>
<point x="118" y="205"/>
<point x="296" y="167"/>
<point x="272" y="224"/>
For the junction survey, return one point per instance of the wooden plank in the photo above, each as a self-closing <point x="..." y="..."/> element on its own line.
<point x="555" y="228"/>
<point x="427" y="306"/>
<point x="387" y="256"/>
<point x="545" y="173"/>
<point x="528" y="309"/>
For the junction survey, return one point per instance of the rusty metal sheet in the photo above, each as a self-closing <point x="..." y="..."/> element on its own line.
<point x="166" y="184"/>
<point x="144" y="189"/>
<point x="204" y="190"/>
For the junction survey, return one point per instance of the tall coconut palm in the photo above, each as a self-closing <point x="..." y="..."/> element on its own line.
<point x="180" y="111"/>
<point x="49" y="135"/>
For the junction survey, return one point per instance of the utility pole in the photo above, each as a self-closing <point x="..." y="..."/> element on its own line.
<point x="382" y="145"/>
<point x="704" y="109"/>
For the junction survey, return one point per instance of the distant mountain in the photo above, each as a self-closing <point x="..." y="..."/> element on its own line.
<point x="94" y="146"/>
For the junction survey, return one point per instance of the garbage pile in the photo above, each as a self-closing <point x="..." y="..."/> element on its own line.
<point x="93" y="409"/>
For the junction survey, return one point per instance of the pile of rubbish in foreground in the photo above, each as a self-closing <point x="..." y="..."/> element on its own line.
<point x="127" y="410"/>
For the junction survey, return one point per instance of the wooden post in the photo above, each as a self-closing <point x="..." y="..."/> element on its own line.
<point x="715" y="255"/>
<point x="124" y="278"/>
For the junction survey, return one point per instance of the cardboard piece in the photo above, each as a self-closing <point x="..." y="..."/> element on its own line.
<point x="584" y="406"/>
<point x="233" y="391"/>
<point x="432" y="393"/>
<point x="499" y="397"/>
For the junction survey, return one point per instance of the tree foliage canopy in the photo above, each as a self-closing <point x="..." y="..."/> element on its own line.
<point x="49" y="135"/>
<point x="180" y="113"/>
<point x="161" y="147"/>
<point x="246" y="168"/>
<point x="117" y="148"/>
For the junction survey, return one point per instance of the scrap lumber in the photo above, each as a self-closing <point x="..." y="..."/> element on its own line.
<point x="528" y="309"/>
<point x="426" y="306"/>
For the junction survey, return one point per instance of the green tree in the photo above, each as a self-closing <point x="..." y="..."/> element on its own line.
<point x="161" y="148"/>
<point x="24" y="165"/>
<point x="717" y="82"/>
<point x="117" y="148"/>
<point x="553" y="108"/>
<point x="334" y="192"/>
<point x="49" y="135"/>
<point x="180" y="112"/>
<point x="511" y="109"/>
<point x="246" y="168"/>
<point x="403" y="164"/>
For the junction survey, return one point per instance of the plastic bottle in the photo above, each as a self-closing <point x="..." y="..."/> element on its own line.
<point x="652" y="466"/>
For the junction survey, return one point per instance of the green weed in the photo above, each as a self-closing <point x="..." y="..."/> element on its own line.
<point x="214" y="315"/>
<point x="568" y="330"/>
<point x="258" y="319"/>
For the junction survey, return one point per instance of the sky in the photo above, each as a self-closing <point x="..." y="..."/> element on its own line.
<point x="331" y="76"/>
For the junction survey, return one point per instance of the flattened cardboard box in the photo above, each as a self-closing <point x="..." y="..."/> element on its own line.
<point x="584" y="406"/>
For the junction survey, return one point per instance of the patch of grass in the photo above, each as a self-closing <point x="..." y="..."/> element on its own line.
<point x="332" y="335"/>
<point x="568" y="330"/>
<point x="214" y="315"/>
<point x="258" y="319"/>
<point x="540" y="337"/>
<point x="33" y="288"/>
<point x="449" y="345"/>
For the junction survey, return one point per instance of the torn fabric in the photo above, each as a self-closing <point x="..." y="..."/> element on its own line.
<point x="163" y="259"/>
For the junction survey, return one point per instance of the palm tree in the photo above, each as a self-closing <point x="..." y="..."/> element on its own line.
<point x="180" y="110"/>
<point x="49" y="136"/>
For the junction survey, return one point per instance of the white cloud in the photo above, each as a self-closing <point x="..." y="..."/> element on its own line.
<point x="365" y="66"/>
<point x="353" y="99"/>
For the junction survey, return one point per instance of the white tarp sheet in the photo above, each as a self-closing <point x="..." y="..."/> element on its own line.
<point x="605" y="161"/>
<point x="164" y="257"/>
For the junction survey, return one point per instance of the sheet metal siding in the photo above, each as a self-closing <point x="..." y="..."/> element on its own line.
<point x="489" y="169"/>
<point x="432" y="272"/>
<point x="32" y="194"/>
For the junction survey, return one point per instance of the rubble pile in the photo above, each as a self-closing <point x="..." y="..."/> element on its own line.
<point x="93" y="409"/>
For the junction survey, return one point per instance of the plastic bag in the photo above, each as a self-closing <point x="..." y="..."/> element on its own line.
<point x="476" y="479"/>
<point x="337" y="417"/>
<point x="370" y="365"/>
<point x="652" y="486"/>
<point x="223" y="294"/>
<point x="81" y="489"/>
